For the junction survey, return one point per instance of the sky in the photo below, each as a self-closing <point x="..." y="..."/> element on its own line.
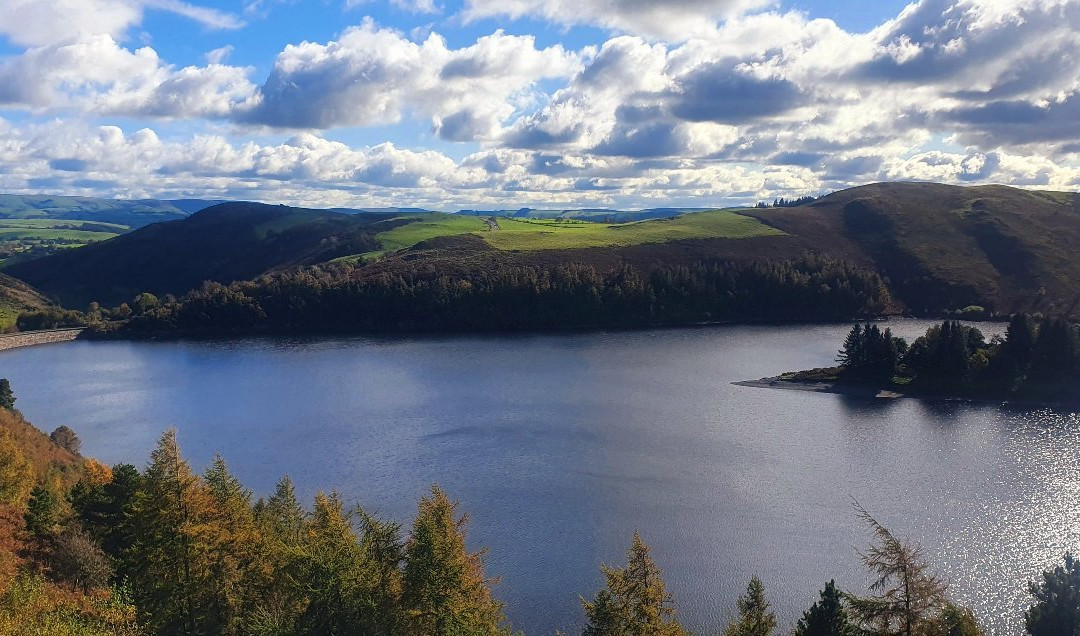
<point x="449" y="104"/>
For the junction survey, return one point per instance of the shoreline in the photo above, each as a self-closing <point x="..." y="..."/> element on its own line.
<point x="881" y="393"/>
<point x="35" y="338"/>
<point x="260" y="332"/>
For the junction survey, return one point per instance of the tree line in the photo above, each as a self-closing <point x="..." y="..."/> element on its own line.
<point x="502" y="297"/>
<point x="167" y="550"/>
<point x="1039" y="356"/>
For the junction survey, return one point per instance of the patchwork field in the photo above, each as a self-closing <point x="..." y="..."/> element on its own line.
<point x="532" y="235"/>
<point x="28" y="238"/>
<point x="512" y="234"/>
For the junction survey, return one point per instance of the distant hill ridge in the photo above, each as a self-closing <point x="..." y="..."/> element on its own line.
<point x="140" y="212"/>
<point x="225" y="242"/>
<point x="940" y="247"/>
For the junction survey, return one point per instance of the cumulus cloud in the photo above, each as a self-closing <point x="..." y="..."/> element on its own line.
<point x="95" y="74"/>
<point x="371" y="76"/>
<point x="728" y="104"/>
<point x="673" y="20"/>
<point x="43" y="22"/>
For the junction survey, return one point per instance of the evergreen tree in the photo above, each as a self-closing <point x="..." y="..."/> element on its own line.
<point x="636" y="601"/>
<point x="444" y="588"/>
<point x="281" y="596"/>
<point x="105" y="511"/>
<point x="1019" y="341"/>
<point x="853" y="352"/>
<point x="42" y="512"/>
<point x="282" y="513"/>
<point x="906" y="596"/>
<point x="1056" y="610"/>
<point x="384" y="552"/>
<point x="172" y="553"/>
<point x="827" y="616"/>
<point x="234" y="554"/>
<point x="7" y="396"/>
<point x="755" y="619"/>
<point x="331" y="571"/>
<point x="1054" y="352"/>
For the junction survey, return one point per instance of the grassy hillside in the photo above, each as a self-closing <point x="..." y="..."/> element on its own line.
<point x="947" y="246"/>
<point x="422" y="227"/>
<point x="227" y="242"/>
<point x="536" y="234"/>
<point x="17" y="297"/>
<point x="521" y="235"/>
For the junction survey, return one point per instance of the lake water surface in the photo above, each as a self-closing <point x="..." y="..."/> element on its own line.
<point x="559" y="446"/>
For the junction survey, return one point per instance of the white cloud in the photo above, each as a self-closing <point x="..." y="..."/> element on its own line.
<point x="219" y="55"/>
<point x="758" y="105"/>
<point x="373" y="76"/>
<point x="674" y="20"/>
<point x="311" y="170"/>
<point x="97" y="75"/>
<point x="209" y="18"/>
<point x="40" y="22"/>
<point x="43" y="22"/>
<point x="417" y="6"/>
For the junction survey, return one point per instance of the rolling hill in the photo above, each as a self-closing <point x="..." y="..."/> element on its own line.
<point x="939" y="247"/>
<point x="17" y="297"/>
<point x="130" y="213"/>
<point x="947" y="246"/>
<point x="226" y="242"/>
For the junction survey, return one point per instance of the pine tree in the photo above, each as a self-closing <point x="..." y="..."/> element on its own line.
<point x="235" y="545"/>
<point x="281" y="596"/>
<point x="826" y="617"/>
<point x="1054" y="352"/>
<point x="331" y="570"/>
<point x="1019" y="340"/>
<point x="853" y="352"/>
<point x="755" y="619"/>
<point x="384" y="553"/>
<point x="283" y="514"/>
<point x="906" y="596"/>
<point x="171" y="557"/>
<point x="7" y="396"/>
<point x="636" y="601"/>
<point x="444" y="588"/>
<point x="1056" y="610"/>
<point x="42" y="512"/>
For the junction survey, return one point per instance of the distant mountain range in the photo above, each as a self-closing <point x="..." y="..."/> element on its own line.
<point x="132" y="213"/>
<point x="137" y="213"/>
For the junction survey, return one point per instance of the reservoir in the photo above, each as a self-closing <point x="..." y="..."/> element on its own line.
<point x="559" y="446"/>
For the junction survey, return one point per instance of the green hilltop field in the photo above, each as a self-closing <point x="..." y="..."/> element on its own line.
<point x="520" y="234"/>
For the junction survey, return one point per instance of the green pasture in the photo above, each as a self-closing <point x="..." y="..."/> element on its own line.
<point x="553" y="234"/>
<point x="49" y="234"/>
<point x="524" y="236"/>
